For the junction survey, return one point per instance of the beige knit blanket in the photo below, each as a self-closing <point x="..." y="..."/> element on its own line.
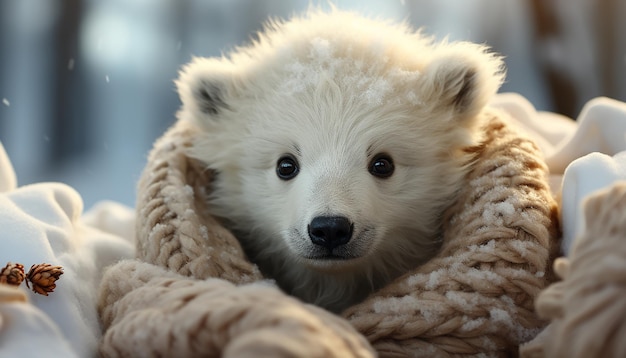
<point x="192" y="292"/>
<point x="587" y="308"/>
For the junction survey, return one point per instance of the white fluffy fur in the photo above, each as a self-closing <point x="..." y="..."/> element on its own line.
<point x="334" y="89"/>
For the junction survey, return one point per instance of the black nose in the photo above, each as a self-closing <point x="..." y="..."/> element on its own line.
<point x="330" y="231"/>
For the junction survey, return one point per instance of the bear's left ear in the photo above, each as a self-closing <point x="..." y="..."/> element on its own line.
<point x="206" y="87"/>
<point x="462" y="77"/>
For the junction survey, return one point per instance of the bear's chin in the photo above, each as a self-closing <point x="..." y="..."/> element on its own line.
<point x="333" y="263"/>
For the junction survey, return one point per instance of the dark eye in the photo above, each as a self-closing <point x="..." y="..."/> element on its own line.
<point x="381" y="166"/>
<point x="287" y="167"/>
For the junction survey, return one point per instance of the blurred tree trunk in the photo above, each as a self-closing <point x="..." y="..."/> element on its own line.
<point x="583" y="47"/>
<point x="70" y="127"/>
<point x="562" y="88"/>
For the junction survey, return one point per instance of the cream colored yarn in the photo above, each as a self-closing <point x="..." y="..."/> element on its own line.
<point x="173" y="227"/>
<point x="588" y="308"/>
<point x="165" y="314"/>
<point x="475" y="297"/>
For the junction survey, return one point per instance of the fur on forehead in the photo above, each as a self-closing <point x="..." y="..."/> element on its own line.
<point x="378" y="63"/>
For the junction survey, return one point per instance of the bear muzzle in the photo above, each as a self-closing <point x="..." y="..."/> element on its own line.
<point x="330" y="231"/>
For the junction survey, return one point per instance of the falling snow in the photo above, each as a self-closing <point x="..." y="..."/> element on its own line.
<point x="106" y="78"/>
<point x="6" y="102"/>
<point x="70" y="64"/>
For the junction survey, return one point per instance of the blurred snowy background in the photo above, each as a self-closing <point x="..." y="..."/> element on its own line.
<point x="86" y="86"/>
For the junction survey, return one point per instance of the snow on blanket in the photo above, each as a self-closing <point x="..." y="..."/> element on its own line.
<point x="45" y="223"/>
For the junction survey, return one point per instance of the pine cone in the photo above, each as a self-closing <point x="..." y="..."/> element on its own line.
<point x="43" y="278"/>
<point x="12" y="274"/>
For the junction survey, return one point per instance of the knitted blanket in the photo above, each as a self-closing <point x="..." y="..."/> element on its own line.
<point x="590" y="298"/>
<point x="192" y="292"/>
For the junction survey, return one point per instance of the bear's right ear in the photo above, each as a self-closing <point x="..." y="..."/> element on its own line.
<point x="205" y="87"/>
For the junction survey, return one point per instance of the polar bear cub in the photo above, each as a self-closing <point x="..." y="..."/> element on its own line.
<point x="337" y="143"/>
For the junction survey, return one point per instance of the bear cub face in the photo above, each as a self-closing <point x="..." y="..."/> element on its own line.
<point x="337" y="143"/>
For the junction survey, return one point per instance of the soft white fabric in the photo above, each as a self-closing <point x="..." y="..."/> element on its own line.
<point x="44" y="223"/>
<point x="29" y="332"/>
<point x="8" y="180"/>
<point x="601" y="128"/>
<point x="583" y="177"/>
<point x="41" y="223"/>
<point x="113" y="218"/>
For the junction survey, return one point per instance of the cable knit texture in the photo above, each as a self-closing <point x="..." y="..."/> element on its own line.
<point x="191" y="291"/>
<point x="587" y="308"/>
